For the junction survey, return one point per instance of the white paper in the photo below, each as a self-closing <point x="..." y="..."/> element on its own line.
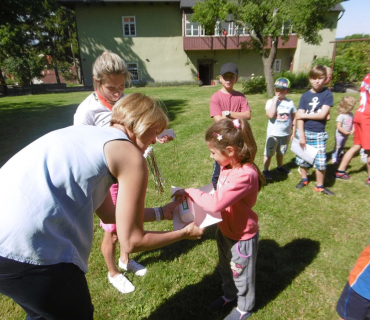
<point x="167" y="132"/>
<point x="308" y="154"/>
<point x="201" y="218"/>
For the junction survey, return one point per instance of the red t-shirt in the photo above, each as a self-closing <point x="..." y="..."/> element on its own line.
<point x="235" y="101"/>
<point x="363" y="110"/>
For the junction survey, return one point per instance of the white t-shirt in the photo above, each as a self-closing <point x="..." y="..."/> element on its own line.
<point x="92" y="112"/>
<point x="281" y="125"/>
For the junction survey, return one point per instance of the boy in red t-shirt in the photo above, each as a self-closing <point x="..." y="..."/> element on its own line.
<point x="228" y="103"/>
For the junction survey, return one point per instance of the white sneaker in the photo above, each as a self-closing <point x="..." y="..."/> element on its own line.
<point x="133" y="266"/>
<point x="121" y="283"/>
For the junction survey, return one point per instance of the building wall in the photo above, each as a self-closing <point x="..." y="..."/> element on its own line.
<point x="306" y="53"/>
<point x="157" y="47"/>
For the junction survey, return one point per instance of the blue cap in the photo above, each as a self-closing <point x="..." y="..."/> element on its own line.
<point x="282" y="83"/>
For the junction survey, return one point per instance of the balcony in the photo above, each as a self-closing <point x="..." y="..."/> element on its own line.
<point x="229" y="43"/>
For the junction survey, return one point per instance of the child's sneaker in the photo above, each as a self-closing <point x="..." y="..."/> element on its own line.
<point x="301" y="184"/>
<point x="221" y="303"/>
<point x="133" y="266"/>
<point x="342" y="176"/>
<point x="324" y="191"/>
<point x="121" y="283"/>
<point x="236" y="315"/>
<point x="267" y="174"/>
<point x="283" y="170"/>
<point x="368" y="182"/>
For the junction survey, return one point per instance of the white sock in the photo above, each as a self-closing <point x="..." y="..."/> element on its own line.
<point x="123" y="264"/>
<point x="241" y="312"/>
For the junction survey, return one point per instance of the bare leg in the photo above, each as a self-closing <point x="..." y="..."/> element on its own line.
<point x="348" y="157"/>
<point x="368" y="162"/>
<point x="108" y="249"/>
<point x="266" y="162"/>
<point x="320" y="176"/>
<point x="279" y="160"/>
<point x="124" y="257"/>
<point x="304" y="172"/>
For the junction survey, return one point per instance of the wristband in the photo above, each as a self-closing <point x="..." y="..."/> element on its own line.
<point x="157" y="214"/>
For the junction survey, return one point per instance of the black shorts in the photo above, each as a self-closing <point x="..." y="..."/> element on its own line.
<point x="56" y="291"/>
<point x="352" y="306"/>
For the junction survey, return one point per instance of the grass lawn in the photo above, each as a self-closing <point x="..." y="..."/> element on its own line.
<point x="308" y="241"/>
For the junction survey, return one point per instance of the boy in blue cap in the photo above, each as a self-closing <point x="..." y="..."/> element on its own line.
<point x="281" y="126"/>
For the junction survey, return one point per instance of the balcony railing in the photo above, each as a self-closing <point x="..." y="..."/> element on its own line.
<point x="229" y="43"/>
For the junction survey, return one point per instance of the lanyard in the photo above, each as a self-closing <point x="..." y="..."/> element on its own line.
<point x="103" y="101"/>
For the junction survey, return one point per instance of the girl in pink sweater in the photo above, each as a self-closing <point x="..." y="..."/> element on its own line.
<point x="232" y="145"/>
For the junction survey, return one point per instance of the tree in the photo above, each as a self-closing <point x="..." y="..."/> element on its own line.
<point x="354" y="57"/>
<point x="37" y="29"/>
<point x="268" y="19"/>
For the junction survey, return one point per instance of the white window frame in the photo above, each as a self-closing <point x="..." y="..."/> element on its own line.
<point x="193" y="29"/>
<point x="129" y="23"/>
<point x="277" y="65"/>
<point x="133" y="68"/>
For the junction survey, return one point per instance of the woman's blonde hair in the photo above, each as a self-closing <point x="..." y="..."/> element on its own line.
<point x="241" y="139"/>
<point x="138" y="113"/>
<point x="346" y="105"/>
<point x="109" y="63"/>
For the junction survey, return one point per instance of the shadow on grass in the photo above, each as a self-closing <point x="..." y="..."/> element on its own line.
<point x="175" y="250"/>
<point x="277" y="267"/>
<point x="19" y="125"/>
<point x="174" y="107"/>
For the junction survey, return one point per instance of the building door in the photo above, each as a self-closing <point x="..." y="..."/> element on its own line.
<point x="205" y="71"/>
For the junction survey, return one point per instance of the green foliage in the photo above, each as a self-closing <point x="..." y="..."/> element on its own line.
<point x="256" y="84"/>
<point x="41" y="27"/>
<point x="26" y="68"/>
<point x="9" y="81"/>
<point x="352" y="60"/>
<point x="191" y="83"/>
<point x="297" y="80"/>
<point x="353" y="57"/>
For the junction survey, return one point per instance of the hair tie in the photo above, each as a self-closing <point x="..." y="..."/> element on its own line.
<point x="218" y="136"/>
<point x="236" y="123"/>
<point x="105" y="52"/>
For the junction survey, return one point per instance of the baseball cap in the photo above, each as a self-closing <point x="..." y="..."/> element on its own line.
<point x="282" y="83"/>
<point x="229" y="67"/>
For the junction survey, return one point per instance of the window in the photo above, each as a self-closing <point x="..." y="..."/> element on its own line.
<point x="132" y="67"/>
<point x="192" y="28"/>
<point x="129" y="26"/>
<point x="277" y="65"/>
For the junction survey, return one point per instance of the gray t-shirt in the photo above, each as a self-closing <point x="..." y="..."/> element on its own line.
<point x="347" y="122"/>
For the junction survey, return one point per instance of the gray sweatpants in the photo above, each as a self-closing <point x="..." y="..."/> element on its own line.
<point x="237" y="266"/>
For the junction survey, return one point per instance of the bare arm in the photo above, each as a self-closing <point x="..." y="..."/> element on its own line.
<point x="294" y="123"/>
<point x="300" y="128"/>
<point x="271" y="112"/>
<point x="127" y="164"/>
<point x="341" y="130"/>
<point x="325" y="110"/>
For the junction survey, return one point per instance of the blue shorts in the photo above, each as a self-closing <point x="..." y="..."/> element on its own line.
<point x="317" y="140"/>
<point x="352" y="306"/>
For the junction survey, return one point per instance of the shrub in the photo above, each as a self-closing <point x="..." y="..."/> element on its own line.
<point x="254" y="85"/>
<point x="192" y="83"/>
<point x="297" y="80"/>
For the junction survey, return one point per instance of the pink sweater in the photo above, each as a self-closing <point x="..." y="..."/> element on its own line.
<point x="235" y="197"/>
